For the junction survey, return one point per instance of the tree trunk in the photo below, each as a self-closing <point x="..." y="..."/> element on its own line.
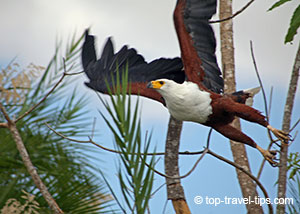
<point x="238" y="150"/>
<point x="282" y="177"/>
<point x="174" y="189"/>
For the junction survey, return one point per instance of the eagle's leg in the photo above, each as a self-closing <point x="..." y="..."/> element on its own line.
<point x="281" y="135"/>
<point x="236" y="135"/>
<point x="248" y="113"/>
<point x="268" y="155"/>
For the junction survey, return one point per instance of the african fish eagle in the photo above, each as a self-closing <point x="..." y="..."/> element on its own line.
<point x="191" y="87"/>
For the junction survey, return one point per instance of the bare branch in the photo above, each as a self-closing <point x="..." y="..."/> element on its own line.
<point x="238" y="150"/>
<point x="195" y="164"/>
<point x="246" y="172"/>
<point x="28" y="164"/>
<point x="175" y="191"/>
<point x="183" y="176"/>
<point x="82" y="141"/>
<point x="155" y="191"/>
<point x="288" y="108"/>
<point x="270" y="102"/>
<point x="47" y="95"/>
<point x="118" y="152"/>
<point x="115" y="151"/>
<point x="265" y="106"/>
<point x="3" y="125"/>
<point x="234" y="15"/>
<point x="295" y="125"/>
<point x="261" y="85"/>
<point x="93" y="129"/>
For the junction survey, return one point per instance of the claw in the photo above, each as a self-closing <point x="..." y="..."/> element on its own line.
<point x="270" y="156"/>
<point x="281" y="135"/>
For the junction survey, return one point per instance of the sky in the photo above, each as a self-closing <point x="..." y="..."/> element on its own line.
<point x="29" y="30"/>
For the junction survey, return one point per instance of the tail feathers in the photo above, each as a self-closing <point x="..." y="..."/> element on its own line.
<point x="251" y="93"/>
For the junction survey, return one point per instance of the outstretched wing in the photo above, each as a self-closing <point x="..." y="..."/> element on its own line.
<point x="197" y="43"/>
<point x="139" y="71"/>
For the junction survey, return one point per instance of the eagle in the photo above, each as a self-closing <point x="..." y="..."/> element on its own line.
<point x="191" y="87"/>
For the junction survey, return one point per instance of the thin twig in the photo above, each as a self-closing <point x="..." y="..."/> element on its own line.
<point x="208" y="137"/>
<point x="194" y="166"/>
<point x="81" y="141"/>
<point x="115" y="151"/>
<point x="118" y="152"/>
<point x="294" y="126"/>
<point x="271" y="140"/>
<point x="246" y="172"/>
<point x="260" y="82"/>
<point x="28" y="164"/>
<point x="294" y="138"/>
<point x="165" y="207"/>
<point x="270" y="102"/>
<point x="183" y="176"/>
<point x="265" y="105"/>
<point x="93" y="129"/>
<point x="3" y="125"/>
<point x="46" y="96"/>
<point x="234" y="15"/>
<point x="155" y="191"/>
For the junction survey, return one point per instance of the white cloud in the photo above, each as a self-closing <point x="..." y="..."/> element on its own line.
<point x="29" y="29"/>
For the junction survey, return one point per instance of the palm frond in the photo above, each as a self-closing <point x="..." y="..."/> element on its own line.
<point x="135" y="179"/>
<point x="64" y="168"/>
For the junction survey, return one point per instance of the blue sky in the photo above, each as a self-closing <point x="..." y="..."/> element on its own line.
<point x="30" y="28"/>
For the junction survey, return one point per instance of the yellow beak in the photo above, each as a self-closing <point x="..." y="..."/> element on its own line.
<point x="154" y="85"/>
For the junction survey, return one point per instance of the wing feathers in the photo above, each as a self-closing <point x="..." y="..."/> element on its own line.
<point x="197" y="42"/>
<point x="139" y="71"/>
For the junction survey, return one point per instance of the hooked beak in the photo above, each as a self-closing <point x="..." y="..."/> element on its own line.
<point x="149" y="85"/>
<point x="155" y="84"/>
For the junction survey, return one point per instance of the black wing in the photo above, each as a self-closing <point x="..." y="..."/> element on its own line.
<point x="139" y="71"/>
<point x="198" y="43"/>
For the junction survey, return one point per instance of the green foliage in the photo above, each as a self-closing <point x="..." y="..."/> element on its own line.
<point x="277" y="4"/>
<point x="62" y="165"/>
<point x="294" y="164"/>
<point x="13" y="206"/>
<point x="294" y="182"/>
<point x="294" y="187"/>
<point x="136" y="179"/>
<point x="294" y="23"/>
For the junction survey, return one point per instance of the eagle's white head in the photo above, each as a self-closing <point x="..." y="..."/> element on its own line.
<point x="163" y="86"/>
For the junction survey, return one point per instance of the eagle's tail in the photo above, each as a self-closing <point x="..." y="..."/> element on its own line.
<point x="245" y="96"/>
<point x="251" y="93"/>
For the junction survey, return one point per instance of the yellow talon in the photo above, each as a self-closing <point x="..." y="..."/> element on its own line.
<point x="281" y="135"/>
<point x="268" y="155"/>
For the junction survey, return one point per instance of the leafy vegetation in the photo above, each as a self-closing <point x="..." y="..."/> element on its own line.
<point x="294" y="23"/>
<point x="63" y="167"/>
<point x="136" y="179"/>
<point x="294" y="181"/>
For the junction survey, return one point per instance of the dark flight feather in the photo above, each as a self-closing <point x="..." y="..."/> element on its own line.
<point x="139" y="71"/>
<point x="191" y="19"/>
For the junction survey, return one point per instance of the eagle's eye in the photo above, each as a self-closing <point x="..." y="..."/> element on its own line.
<point x="161" y="82"/>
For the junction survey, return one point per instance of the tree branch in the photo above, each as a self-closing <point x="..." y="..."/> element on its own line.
<point x="262" y="88"/>
<point x="228" y="64"/>
<point x="234" y="15"/>
<point x="265" y="106"/>
<point x="115" y="151"/>
<point x="28" y="164"/>
<point x="175" y="191"/>
<point x="47" y="95"/>
<point x="246" y="172"/>
<point x="282" y="177"/>
<point x="3" y="125"/>
<point x="182" y="176"/>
